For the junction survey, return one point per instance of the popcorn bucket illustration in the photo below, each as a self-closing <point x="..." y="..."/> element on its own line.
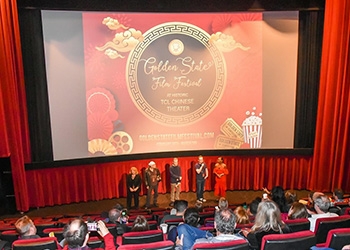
<point x="252" y="129"/>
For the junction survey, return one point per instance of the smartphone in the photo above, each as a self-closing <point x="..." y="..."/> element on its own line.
<point x="92" y="226"/>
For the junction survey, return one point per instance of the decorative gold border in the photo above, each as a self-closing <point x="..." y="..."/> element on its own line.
<point x="132" y="66"/>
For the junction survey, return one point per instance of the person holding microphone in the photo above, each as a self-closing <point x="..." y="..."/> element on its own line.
<point x="201" y="176"/>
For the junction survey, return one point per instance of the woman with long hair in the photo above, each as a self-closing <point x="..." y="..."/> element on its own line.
<point x="140" y="224"/>
<point x="267" y="221"/>
<point x="242" y="216"/>
<point x="297" y="211"/>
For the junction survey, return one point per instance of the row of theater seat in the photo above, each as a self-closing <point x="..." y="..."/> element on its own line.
<point x="323" y="226"/>
<point x="302" y="240"/>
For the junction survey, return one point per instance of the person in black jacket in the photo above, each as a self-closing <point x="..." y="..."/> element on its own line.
<point x="152" y="177"/>
<point x="133" y="183"/>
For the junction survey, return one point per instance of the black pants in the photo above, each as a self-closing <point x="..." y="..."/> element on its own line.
<point x="130" y="196"/>
<point x="200" y="189"/>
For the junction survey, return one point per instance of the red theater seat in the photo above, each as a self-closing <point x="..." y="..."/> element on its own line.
<point x="227" y="245"/>
<point x="347" y="211"/>
<point x="323" y="225"/>
<point x="172" y="223"/>
<point x="298" y="224"/>
<point x="142" y="237"/>
<point x="161" y="245"/>
<point x="302" y="240"/>
<point x="239" y="227"/>
<point x="9" y="236"/>
<point x="49" y="243"/>
<point x="57" y="231"/>
<point x="337" y="238"/>
<point x="153" y="225"/>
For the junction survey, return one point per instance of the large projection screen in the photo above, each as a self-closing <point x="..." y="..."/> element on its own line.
<point x="133" y="83"/>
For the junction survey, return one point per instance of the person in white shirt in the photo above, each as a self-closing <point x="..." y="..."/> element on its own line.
<point x="321" y="205"/>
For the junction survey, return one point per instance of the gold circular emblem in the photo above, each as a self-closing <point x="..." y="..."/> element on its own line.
<point x="176" y="76"/>
<point x="176" y="47"/>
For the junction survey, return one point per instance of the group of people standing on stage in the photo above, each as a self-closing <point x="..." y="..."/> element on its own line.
<point x="152" y="177"/>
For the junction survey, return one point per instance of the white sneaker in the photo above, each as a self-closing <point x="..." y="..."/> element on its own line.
<point x="204" y="200"/>
<point x="199" y="201"/>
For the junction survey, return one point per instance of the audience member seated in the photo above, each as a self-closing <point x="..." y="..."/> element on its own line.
<point x="278" y="196"/>
<point x="297" y="211"/>
<point x="199" y="206"/>
<point x="291" y="197"/>
<point x="222" y="204"/>
<point x="242" y="216"/>
<point x="225" y="224"/>
<point x="253" y="208"/>
<point x="188" y="232"/>
<point x="76" y="235"/>
<point x="338" y="196"/>
<point x="140" y="224"/>
<point x="118" y="217"/>
<point x="321" y="205"/>
<point x="267" y="221"/>
<point x="26" y="228"/>
<point x="180" y="206"/>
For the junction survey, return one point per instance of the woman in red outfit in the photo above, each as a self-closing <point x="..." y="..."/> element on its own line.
<point x="220" y="171"/>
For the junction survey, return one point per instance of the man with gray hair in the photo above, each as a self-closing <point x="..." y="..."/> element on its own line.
<point x="225" y="224"/>
<point x="321" y="205"/>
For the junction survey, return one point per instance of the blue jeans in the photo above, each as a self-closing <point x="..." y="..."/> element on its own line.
<point x="190" y="234"/>
<point x="200" y="188"/>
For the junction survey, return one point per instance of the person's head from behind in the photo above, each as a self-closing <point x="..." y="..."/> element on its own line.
<point x="191" y="216"/>
<point x="140" y="224"/>
<point x="225" y="221"/>
<point x="268" y="217"/>
<point x="223" y="203"/>
<point x="242" y="216"/>
<point x="76" y="233"/>
<point x="180" y="206"/>
<point x="277" y="194"/>
<point x="199" y="206"/>
<point x="114" y="215"/>
<point x="322" y="204"/>
<point x="291" y="196"/>
<point x="25" y="226"/>
<point x="297" y="211"/>
<point x="253" y="206"/>
<point x="338" y="194"/>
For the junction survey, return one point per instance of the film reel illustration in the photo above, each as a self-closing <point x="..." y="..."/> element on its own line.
<point x="122" y="142"/>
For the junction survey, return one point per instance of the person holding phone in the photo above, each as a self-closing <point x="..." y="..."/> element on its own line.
<point x="76" y="235"/>
<point x="201" y="176"/>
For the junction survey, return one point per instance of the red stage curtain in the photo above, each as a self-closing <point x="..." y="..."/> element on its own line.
<point x="13" y="113"/>
<point x="331" y="165"/>
<point x="100" y="181"/>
